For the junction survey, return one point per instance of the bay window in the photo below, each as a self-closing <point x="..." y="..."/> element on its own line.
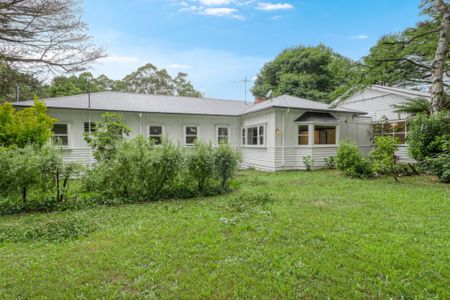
<point x="324" y="135"/>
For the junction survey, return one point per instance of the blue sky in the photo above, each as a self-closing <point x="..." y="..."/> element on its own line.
<point x="220" y="42"/>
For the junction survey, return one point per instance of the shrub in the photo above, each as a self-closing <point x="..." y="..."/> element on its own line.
<point x="440" y="166"/>
<point x="226" y="163"/>
<point x="350" y="161"/>
<point x="428" y="135"/>
<point x="330" y="162"/>
<point x="384" y="158"/>
<point x="107" y="136"/>
<point x="200" y="165"/>
<point x="308" y="161"/>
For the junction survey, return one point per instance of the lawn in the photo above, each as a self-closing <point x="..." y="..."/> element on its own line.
<point x="323" y="235"/>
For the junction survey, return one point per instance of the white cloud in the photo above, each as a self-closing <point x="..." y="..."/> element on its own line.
<point x="219" y="11"/>
<point x="274" y="6"/>
<point x="359" y="37"/>
<point x="215" y="2"/>
<point x="178" y="66"/>
<point x="119" y="59"/>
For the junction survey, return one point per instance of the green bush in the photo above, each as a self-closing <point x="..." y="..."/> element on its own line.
<point x="330" y="163"/>
<point x="226" y="163"/>
<point x="200" y="165"/>
<point x="383" y="156"/>
<point x="440" y="166"/>
<point x="308" y="161"/>
<point x="428" y="135"/>
<point x="350" y="161"/>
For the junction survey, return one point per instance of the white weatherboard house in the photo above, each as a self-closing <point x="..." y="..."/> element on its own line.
<point x="272" y="135"/>
<point x="378" y="102"/>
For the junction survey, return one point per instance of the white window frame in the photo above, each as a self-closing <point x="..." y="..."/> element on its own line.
<point x="219" y="136"/>
<point x="163" y="131"/>
<point x="244" y="136"/>
<point x="68" y="133"/>
<point x="93" y="129"/>
<point x="186" y="135"/>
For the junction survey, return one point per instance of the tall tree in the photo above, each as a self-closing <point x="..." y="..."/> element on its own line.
<point x="418" y="56"/>
<point x="10" y="78"/>
<point x="45" y="34"/>
<point x="316" y="73"/>
<point x="183" y="87"/>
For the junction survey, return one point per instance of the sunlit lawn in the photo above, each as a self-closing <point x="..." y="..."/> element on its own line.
<point x="324" y="235"/>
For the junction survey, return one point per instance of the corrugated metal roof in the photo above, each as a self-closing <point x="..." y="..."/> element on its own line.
<point x="406" y="92"/>
<point x="130" y="102"/>
<point x="295" y="102"/>
<point x="319" y="117"/>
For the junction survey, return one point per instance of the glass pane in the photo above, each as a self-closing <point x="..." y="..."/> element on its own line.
<point x="303" y="140"/>
<point x="252" y="138"/>
<point x="155" y="130"/>
<point x="261" y="130"/>
<point x="86" y="127"/>
<point x="222" y="131"/>
<point x="401" y="137"/>
<point x="61" y="140"/>
<point x="398" y="127"/>
<point x="303" y="129"/>
<point x="387" y="128"/>
<point x="377" y="129"/>
<point x="191" y="130"/>
<point x="190" y="140"/>
<point x="261" y="140"/>
<point x="156" y="139"/>
<point x="60" y="129"/>
<point x="324" y="135"/>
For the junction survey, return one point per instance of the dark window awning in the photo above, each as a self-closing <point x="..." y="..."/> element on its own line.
<point x="316" y="117"/>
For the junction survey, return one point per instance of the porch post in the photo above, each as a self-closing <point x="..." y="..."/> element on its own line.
<point x="311" y="134"/>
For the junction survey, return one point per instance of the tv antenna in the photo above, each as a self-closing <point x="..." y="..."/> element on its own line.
<point x="245" y="81"/>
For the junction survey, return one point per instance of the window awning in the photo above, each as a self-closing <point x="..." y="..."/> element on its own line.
<point x="316" y="117"/>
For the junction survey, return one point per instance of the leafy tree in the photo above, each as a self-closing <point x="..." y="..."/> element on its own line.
<point x="45" y="34"/>
<point x="105" y="140"/>
<point x="416" y="56"/>
<point x="315" y="73"/>
<point x="419" y="105"/>
<point x="29" y="86"/>
<point x="72" y="85"/>
<point x="31" y="125"/>
<point x="149" y="80"/>
<point x="184" y="87"/>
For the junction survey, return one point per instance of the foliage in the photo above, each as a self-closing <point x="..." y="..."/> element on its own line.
<point x="428" y="135"/>
<point x="350" y="161"/>
<point x="108" y="134"/>
<point x="45" y="35"/>
<point x="384" y="158"/>
<point x="29" y="86"/>
<point x="315" y="73"/>
<point x="33" y="177"/>
<point x="226" y="163"/>
<point x="30" y="125"/>
<point x="440" y="166"/>
<point x="200" y="165"/>
<point x="330" y="162"/>
<point x="308" y="161"/>
<point x="244" y="202"/>
<point x="71" y="85"/>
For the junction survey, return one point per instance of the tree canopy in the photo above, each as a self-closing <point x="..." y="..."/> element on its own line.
<point x="315" y="73"/>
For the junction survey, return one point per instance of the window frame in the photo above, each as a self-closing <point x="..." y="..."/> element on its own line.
<point x="62" y="135"/>
<point x="93" y="127"/>
<point x="161" y="136"/>
<point x="218" y="136"/>
<point x="185" y="135"/>
<point x="392" y="131"/>
<point x="336" y="132"/>
<point x="299" y="135"/>
<point x="259" y="135"/>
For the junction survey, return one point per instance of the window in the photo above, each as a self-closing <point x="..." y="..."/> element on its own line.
<point x="93" y="127"/>
<point x="303" y="135"/>
<point x="395" y="129"/>
<point x="155" y="134"/>
<point x="190" y="135"/>
<point x="61" y="134"/>
<point x="254" y="135"/>
<point x="223" y="134"/>
<point x="324" y="135"/>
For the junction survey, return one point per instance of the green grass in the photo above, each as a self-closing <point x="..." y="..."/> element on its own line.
<point x="322" y="235"/>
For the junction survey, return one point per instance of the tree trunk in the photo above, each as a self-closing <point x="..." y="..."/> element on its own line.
<point x="440" y="58"/>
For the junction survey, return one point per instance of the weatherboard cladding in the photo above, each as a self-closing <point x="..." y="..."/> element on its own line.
<point x="130" y="102"/>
